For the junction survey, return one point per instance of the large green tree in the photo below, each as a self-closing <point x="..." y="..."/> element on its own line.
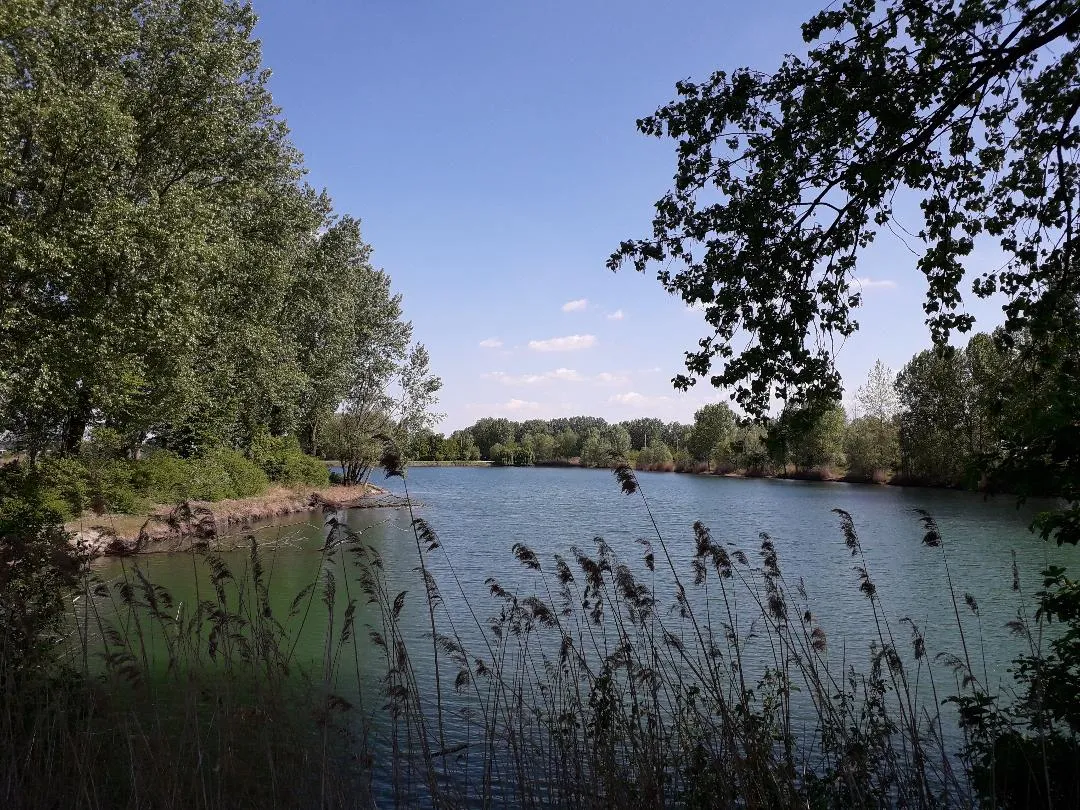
<point x="713" y="432"/>
<point x="968" y="109"/>
<point x="164" y="270"/>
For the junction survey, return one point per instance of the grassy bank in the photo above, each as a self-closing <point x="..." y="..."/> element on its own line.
<point x="603" y="685"/>
<point x="179" y="527"/>
<point x="102" y="479"/>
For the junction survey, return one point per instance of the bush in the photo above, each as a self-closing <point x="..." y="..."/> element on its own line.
<point x="223" y="473"/>
<point x="37" y="566"/>
<point x="166" y="477"/>
<point x="655" y="458"/>
<point x="281" y="458"/>
<point x="66" y="481"/>
<point x="103" y="485"/>
<point x="159" y="477"/>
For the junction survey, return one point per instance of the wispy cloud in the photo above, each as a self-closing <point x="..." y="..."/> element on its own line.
<point x="576" y="305"/>
<point x="565" y="374"/>
<point x="569" y="343"/>
<point x="617" y="315"/>
<point x="875" y="283"/>
<point x="510" y="407"/>
<point x="636" y="400"/>
<point x="608" y="377"/>
<point x="517" y="405"/>
<point x="491" y="343"/>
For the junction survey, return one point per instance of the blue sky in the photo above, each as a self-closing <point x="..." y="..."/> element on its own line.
<point x="489" y="149"/>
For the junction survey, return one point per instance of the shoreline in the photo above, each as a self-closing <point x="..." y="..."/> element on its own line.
<point x="199" y="524"/>
<point x="811" y="476"/>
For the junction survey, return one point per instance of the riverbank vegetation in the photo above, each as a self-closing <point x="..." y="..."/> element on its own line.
<point x="181" y="314"/>
<point x="616" y="680"/>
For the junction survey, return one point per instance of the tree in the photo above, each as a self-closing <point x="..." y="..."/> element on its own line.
<point x="676" y="435"/>
<point x="462" y="447"/>
<point x="644" y="431"/>
<point x="419" y="395"/>
<point x="910" y="94"/>
<point x="167" y="273"/>
<point x="125" y="243"/>
<point x="871" y="447"/>
<point x="713" y="431"/>
<point x="544" y="447"/>
<point x="618" y="439"/>
<point x="595" y="450"/>
<point x="783" y="179"/>
<point x="353" y="439"/>
<point x="507" y="454"/>
<point x="815" y="436"/>
<point x="567" y="444"/>
<point x="877" y="396"/>
<point x="346" y="323"/>
<point x="488" y="432"/>
<point x="933" y="392"/>
<point x="656" y="457"/>
<point x="871" y="441"/>
<point x="748" y="449"/>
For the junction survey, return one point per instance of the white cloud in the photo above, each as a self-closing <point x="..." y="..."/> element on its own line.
<point x="636" y="400"/>
<point x="871" y="283"/>
<point x="515" y="379"/>
<point x="491" y="343"/>
<point x="617" y="315"/>
<point x="517" y="405"/>
<point x="610" y="377"/>
<point x="576" y="305"/>
<point x="565" y="374"/>
<point x="563" y="344"/>
<point x="510" y="407"/>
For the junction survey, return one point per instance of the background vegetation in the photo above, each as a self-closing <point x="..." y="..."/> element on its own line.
<point x="944" y="420"/>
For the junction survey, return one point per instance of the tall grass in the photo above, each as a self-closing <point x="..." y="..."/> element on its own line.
<point x="612" y="682"/>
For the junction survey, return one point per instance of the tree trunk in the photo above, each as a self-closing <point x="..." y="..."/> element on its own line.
<point x="77" y="421"/>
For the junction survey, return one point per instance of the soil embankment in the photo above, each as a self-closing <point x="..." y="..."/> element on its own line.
<point x="193" y="524"/>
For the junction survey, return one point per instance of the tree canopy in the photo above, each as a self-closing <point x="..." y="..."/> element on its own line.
<point x="785" y="178"/>
<point x="166" y="272"/>
<point x="972" y="106"/>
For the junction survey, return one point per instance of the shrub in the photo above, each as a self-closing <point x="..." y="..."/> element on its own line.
<point x="657" y="457"/>
<point x="65" y="478"/>
<point x="37" y="566"/>
<point x="224" y="473"/>
<point x="281" y="458"/>
<point x="683" y="461"/>
<point x="166" y="477"/>
<point x="219" y="474"/>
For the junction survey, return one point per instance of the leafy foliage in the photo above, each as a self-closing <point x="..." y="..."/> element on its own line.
<point x="783" y="179"/>
<point x="168" y="274"/>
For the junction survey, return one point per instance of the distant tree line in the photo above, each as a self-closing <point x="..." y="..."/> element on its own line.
<point x="943" y="420"/>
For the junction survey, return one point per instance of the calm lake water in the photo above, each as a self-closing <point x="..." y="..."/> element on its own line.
<point x="480" y="513"/>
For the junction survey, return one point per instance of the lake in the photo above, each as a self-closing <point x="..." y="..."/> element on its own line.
<point x="480" y="513"/>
